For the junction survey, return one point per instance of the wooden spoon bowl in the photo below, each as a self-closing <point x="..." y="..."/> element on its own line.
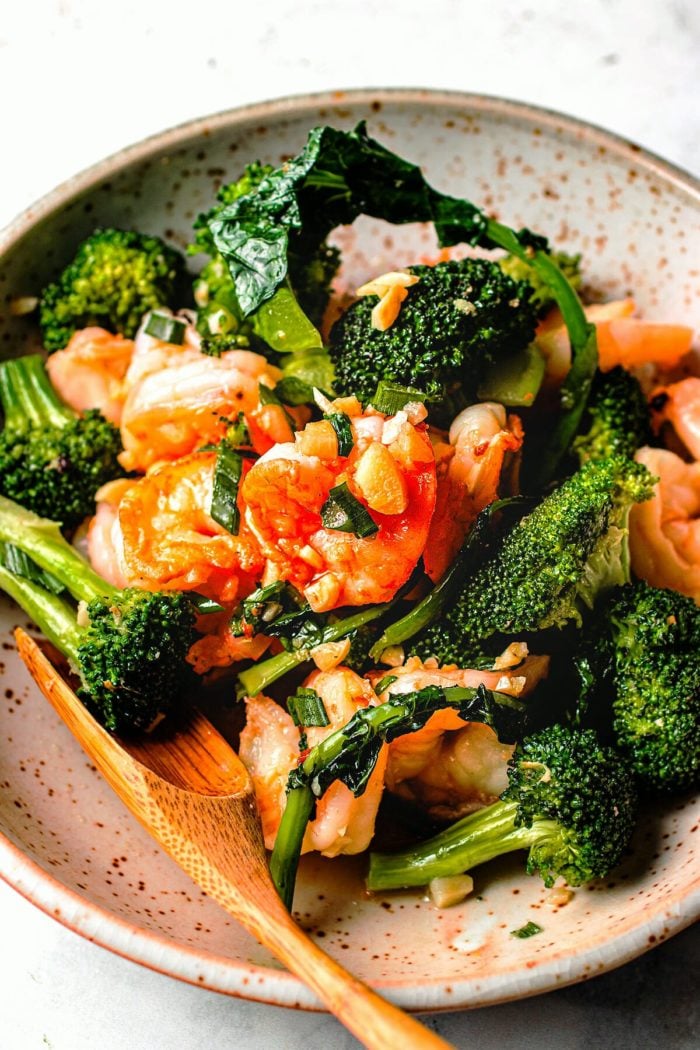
<point x="192" y="793"/>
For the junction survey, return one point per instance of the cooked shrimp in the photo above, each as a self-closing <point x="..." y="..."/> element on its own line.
<point x="269" y="748"/>
<point x="105" y="543"/>
<point x="188" y="403"/>
<point x="170" y="541"/>
<point x="90" y="372"/>
<point x="679" y="405"/>
<point x="622" y="339"/>
<point x="450" y="766"/>
<point x="665" y="530"/>
<point x="469" y="472"/>
<point x="390" y="472"/>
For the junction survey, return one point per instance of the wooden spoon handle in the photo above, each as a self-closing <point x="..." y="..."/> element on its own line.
<point x="378" y="1024"/>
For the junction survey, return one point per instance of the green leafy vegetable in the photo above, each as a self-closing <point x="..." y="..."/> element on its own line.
<point x="350" y="754"/>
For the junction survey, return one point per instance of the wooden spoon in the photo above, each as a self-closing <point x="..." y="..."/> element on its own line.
<point x="193" y="794"/>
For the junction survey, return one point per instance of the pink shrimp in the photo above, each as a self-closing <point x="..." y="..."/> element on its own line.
<point x="390" y="472"/>
<point x="188" y="403"/>
<point x="469" y="472"/>
<point x="679" y="405"/>
<point x="665" y="531"/>
<point x="105" y="543"/>
<point x="269" y="748"/>
<point x="170" y="541"/>
<point x="90" y="371"/>
<point x="452" y="767"/>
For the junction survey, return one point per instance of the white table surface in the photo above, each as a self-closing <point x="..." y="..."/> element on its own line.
<point x="81" y="78"/>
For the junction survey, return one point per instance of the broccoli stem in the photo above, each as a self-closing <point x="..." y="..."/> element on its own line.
<point x="261" y="675"/>
<point x="54" y="616"/>
<point x="41" y="539"/>
<point x="473" y="840"/>
<point x="27" y="396"/>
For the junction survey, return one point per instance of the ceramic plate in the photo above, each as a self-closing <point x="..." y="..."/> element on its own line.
<point x="70" y="847"/>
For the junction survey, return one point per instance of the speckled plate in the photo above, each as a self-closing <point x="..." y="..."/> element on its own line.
<point x="70" y="847"/>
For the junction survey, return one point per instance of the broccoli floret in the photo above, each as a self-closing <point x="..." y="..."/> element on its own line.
<point x="51" y="460"/>
<point x="618" y="417"/>
<point x="219" y="317"/>
<point x="128" y="647"/>
<point x="549" y="566"/>
<point x="640" y="667"/>
<point x="115" y="278"/>
<point x="542" y="297"/>
<point x="458" y="317"/>
<point x="570" y="801"/>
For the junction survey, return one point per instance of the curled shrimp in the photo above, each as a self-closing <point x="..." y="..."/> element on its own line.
<point x="105" y="543"/>
<point x="171" y="542"/>
<point x="665" y="531"/>
<point x="679" y="405"/>
<point x="189" y="402"/>
<point x="270" y="749"/>
<point x="390" y="472"/>
<point x="469" y="472"/>
<point x="90" y="371"/>
<point x="452" y="767"/>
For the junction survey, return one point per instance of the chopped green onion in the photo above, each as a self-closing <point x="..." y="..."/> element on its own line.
<point x="307" y="708"/>
<point x="20" y="564"/>
<point x="168" y="329"/>
<point x="204" y="605"/>
<point x="390" y="398"/>
<point x="528" y="930"/>
<point x="384" y="683"/>
<point x="343" y="431"/>
<point x="224" y="500"/>
<point x="344" y="513"/>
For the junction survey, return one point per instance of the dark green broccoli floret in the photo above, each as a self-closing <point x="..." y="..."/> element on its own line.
<point x="549" y="566"/>
<point x="51" y="460"/>
<point x="115" y="278"/>
<point x="542" y="297"/>
<point x="569" y="801"/>
<point x="219" y="316"/>
<point x="617" y="417"/>
<point x="128" y="647"/>
<point x="457" y="318"/>
<point x="640" y="666"/>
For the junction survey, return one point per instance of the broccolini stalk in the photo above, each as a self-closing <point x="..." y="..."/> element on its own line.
<point x="429" y="608"/>
<point x="350" y="754"/>
<point x="569" y="801"/>
<point x="128" y="647"/>
<point x="51" y="459"/>
<point x="257" y="678"/>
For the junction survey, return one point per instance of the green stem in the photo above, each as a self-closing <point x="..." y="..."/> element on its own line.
<point x="584" y="351"/>
<point x="54" y="616"/>
<point x="285" y="856"/>
<point x="471" y="841"/>
<point x="27" y="396"/>
<point x="41" y="539"/>
<point x="261" y="675"/>
<point x="350" y="753"/>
